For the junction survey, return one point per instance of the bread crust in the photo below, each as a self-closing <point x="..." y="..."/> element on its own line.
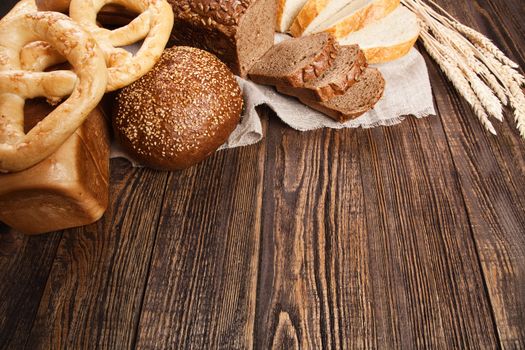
<point x="377" y="55"/>
<point x="217" y="27"/>
<point x="279" y="16"/>
<point x="375" y="11"/>
<point x="319" y="64"/>
<point x="180" y="112"/>
<point x="334" y="88"/>
<point x="69" y="188"/>
<point x="310" y="10"/>
<point x="337" y="115"/>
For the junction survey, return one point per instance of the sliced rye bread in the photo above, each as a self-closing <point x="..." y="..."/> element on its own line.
<point x="296" y="61"/>
<point x="336" y="80"/>
<point x="388" y="38"/>
<point x="358" y="99"/>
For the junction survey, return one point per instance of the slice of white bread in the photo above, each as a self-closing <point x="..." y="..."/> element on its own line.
<point x="339" y="16"/>
<point x="387" y="39"/>
<point x="287" y="10"/>
<point x="349" y="20"/>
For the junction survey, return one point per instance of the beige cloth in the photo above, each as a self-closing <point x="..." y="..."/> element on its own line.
<point x="407" y="92"/>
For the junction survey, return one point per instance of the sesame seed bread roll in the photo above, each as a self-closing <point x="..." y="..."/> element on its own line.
<point x="180" y="112"/>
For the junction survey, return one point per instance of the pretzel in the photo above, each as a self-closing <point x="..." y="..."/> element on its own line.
<point x="154" y="25"/>
<point x="21" y="7"/>
<point x="53" y="5"/>
<point x="85" y="85"/>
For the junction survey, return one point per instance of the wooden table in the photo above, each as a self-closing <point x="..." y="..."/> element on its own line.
<point x="410" y="236"/>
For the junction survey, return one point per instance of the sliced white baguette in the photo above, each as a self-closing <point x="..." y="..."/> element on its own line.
<point x="388" y="38"/>
<point x="287" y="10"/>
<point x="339" y="16"/>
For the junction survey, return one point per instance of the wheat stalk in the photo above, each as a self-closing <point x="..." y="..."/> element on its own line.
<point x="477" y="68"/>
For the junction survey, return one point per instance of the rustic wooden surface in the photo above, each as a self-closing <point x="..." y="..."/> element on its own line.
<point x="410" y="236"/>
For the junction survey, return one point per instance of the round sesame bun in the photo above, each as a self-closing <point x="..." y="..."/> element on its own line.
<point x="180" y="112"/>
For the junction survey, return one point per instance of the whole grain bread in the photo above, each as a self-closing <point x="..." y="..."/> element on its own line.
<point x="180" y="112"/>
<point x="336" y="80"/>
<point x="296" y="61"/>
<point x="238" y="32"/>
<point x="358" y="99"/>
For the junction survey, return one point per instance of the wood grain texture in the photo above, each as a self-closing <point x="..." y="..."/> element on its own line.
<point x="95" y="288"/>
<point x="353" y="222"/>
<point x="24" y="268"/>
<point x="404" y="237"/>
<point x="423" y="259"/>
<point x="314" y="287"/>
<point x="201" y="289"/>
<point x="492" y="172"/>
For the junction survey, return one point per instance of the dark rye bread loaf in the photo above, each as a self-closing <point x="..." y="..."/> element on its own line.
<point x="358" y="99"/>
<point x="296" y="61"/>
<point x="344" y="72"/>
<point x="239" y="32"/>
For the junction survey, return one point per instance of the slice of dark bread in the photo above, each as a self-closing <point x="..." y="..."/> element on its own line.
<point x="344" y="72"/>
<point x="358" y="99"/>
<point x="296" y="61"/>
<point x="238" y="32"/>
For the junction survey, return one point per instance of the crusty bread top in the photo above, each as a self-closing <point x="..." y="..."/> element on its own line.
<point x="225" y="15"/>
<point x="344" y="72"/>
<point x="346" y="69"/>
<point x="179" y="112"/>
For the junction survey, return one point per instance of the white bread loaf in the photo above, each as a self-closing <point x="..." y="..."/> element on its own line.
<point x="67" y="189"/>
<point x="387" y="39"/>
<point x="339" y="17"/>
<point x="287" y="10"/>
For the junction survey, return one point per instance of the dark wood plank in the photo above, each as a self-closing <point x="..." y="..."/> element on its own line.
<point x="492" y="172"/>
<point x="94" y="292"/>
<point x="314" y="287"/>
<point x="201" y="290"/>
<point x="428" y="287"/>
<point x="367" y="244"/>
<point x="24" y="268"/>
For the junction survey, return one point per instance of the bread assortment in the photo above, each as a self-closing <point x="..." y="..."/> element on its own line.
<point x="239" y="32"/>
<point x="180" y="112"/>
<point x="57" y="167"/>
<point x="175" y="106"/>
